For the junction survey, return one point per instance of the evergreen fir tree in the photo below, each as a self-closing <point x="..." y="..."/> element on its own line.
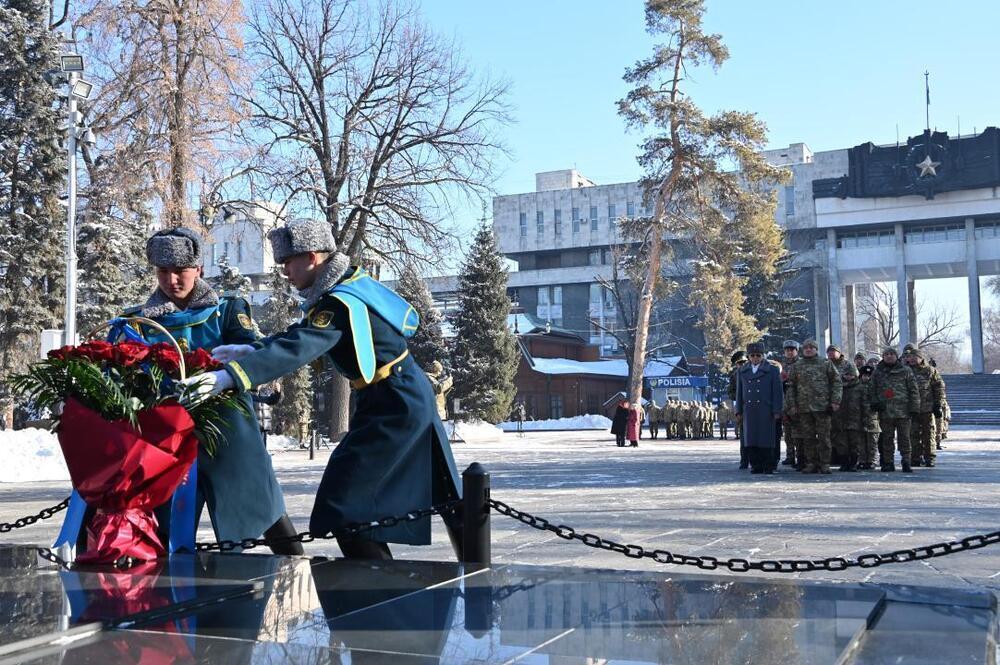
<point x="427" y="345"/>
<point x="292" y="415"/>
<point x="780" y="317"/>
<point x="231" y="281"/>
<point x="485" y="356"/>
<point x="32" y="170"/>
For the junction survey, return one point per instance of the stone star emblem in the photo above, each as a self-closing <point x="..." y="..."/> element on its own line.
<point x="927" y="167"/>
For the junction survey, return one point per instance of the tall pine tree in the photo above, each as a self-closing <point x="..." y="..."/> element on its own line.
<point x="292" y="415"/>
<point x="32" y="171"/>
<point x="777" y="314"/>
<point x="485" y="356"/>
<point x="427" y="345"/>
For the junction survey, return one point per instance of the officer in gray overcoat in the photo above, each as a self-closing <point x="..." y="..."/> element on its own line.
<point x="759" y="398"/>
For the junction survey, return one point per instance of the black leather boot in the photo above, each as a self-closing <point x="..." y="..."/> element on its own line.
<point x="281" y="529"/>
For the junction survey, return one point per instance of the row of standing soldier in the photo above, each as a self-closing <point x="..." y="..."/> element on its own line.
<point x="834" y="409"/>
<point x="686" y="419"/>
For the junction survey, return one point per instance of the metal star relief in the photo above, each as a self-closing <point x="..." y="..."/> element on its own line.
<point x="927" y="166"/>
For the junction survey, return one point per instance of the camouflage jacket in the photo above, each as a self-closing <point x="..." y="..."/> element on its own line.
<point x="815" y="385"/>
<point x="848" y="374"/>
<point x="930" y="385"/>
<point x="723" y="411"/>
<point x="893" y="391"/>
<point x="852" y="408"/>
<point x="869" y="416"/>
<point x="786" y="385"/>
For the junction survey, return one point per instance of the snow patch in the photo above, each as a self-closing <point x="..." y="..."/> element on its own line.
<point x="30" y="455"/>
<point x="280" y="442"/>
<point x="474" y="431"/>
<point x="585" y="422"/>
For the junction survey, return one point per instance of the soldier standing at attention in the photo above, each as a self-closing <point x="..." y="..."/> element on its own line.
<point x="869" y="420"/>
<point x="942" y="422"/>
<point x="654" y="419"/>
<point x="894" y="394"/>
<point x="931" y="388"/>
<point x="839" y="437"/>
<point x="736" y="361"/>
<point x="859" y="361"/>
<point x="816" y="392"/>
<point x="395" y="457"/>
<point x="724" y="415"/>
<point x="672" y="408"/>
<point x="793" y="439"/>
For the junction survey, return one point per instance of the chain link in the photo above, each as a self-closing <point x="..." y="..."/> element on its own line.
<point x="349" y="530"/>
<point x="744" y="565"/>
<point x="43" y="514"/>
<point x="52" y="557"/>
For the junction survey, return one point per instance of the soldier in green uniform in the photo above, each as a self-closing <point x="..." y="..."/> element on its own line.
<point x="794" y="455"/>
<point x="847" y="454"/>
<point x="672" y="415"/>
<point x="697" y="421"/>
<point x="922" y="430"/>
<point x="736" y="361"/>
<point x="395" y="457"/>
<point x="869" y="420"/>
<point x="942" y="423"/>
<point x="816" y="392"/>
<point x="653" y="413"/>
<point x="893" y="393"/>
<point x="723" y="414"/>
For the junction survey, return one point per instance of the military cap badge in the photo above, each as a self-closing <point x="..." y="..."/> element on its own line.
<point x="244" y="321"/>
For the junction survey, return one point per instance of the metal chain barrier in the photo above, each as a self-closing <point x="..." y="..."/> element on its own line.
<point x="349" y="530"/>
<point x="43" y="514"/>
<point x="744" y="565"/>
<point x="52" y="557"/>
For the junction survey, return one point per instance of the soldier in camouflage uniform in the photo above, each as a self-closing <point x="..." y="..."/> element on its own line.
<point x="894" y="394"/>
<point x="839" y="427"/>
<point x="869" y="420"/>
<point x="653" y="413"/>
<point x="697" y="421"/>
<point x="931" y="387"/>
<point x="942" y="422"/>
<point x="724" y="414"/>
<point x="815" y="392"/>
<point x="794" y="450"/>
<point x="710" y="420"/>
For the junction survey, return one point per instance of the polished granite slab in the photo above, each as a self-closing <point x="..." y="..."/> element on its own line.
<point x="300" y="610"/>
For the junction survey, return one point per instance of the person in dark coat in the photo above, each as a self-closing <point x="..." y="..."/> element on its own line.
<point x="759" y="398"/>
<point x="619" y="423"/>
<point x="395" y="457"/>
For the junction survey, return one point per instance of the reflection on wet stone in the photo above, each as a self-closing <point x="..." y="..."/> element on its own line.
<point x="227" y="608"/>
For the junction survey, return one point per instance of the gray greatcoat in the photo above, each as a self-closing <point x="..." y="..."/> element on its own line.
<point x="758" y="400"/>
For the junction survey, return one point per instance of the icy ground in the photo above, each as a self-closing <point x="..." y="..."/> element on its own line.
<point x="687" y="497"/>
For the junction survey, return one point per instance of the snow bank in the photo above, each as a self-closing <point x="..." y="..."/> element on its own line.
<point x="575" y="423"/>
<point x="279" y="442"/>
<point x="30" y="454"/>
<point x="475" y="431"/>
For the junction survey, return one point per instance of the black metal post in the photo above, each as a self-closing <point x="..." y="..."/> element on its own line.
<point x="312" y="445"/>
<point x="476" y="515"/>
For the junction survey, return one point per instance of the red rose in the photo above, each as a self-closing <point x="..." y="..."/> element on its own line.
<point x="65" y="353"/>
<point x="127" y="354"/>
<point x="889" y="393"/>
<point x="94" y="351"/>
<point x="199" y="361"/>
<point x="166" y="357"/>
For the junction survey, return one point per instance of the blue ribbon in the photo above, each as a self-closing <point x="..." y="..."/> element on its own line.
<point x="182" y="507"/>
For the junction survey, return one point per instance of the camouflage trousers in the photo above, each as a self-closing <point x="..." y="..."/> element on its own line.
<point x="898" y="429"/>
<point x="938" y="431"/>
<point x="794" y="449"/>
<point x="855" y="441"/>
<point x="815" y="430"/>
<point x="869" y="446"/>
<point x="723" y="428"/>
<point x="922" y="438"/>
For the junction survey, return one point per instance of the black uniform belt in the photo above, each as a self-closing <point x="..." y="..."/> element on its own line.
<point x="382" y="372"/>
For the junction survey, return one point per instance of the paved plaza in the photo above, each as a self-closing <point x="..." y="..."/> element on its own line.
<point x="687" y="497"/>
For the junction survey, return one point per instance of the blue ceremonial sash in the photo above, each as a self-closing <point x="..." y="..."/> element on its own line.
<point x="182" y="507"/>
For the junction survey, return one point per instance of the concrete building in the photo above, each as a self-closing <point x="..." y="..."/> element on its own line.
<point x="886" y="215"/>
<point x="239" y="233"/>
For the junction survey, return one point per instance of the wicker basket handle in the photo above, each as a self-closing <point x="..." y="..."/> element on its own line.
<point x="154" y="324"/>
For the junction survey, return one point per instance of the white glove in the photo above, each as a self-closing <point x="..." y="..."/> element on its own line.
<point x="228" y="352"/>
<point x="209" y="383"/>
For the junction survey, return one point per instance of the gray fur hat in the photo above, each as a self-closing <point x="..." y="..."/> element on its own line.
<point x="301" y="236"/>
<point x="790" y="344"/>
<point x="174" y="248"/>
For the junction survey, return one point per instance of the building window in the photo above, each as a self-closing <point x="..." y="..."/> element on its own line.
<point x="215" y="253"/>
<point x="593" y="218"/>
<point x="576" y="225"/>
<point x="944" y="233"/>
<point x="225" y="249"/>
<point x="239" y="251"/>
<point x="987" y="229"/>
<point x="630" y="210"/>
<point x="557" y="222"/>
<point x="524" y="224"/>
<point x="576" y="213"/>
<point x="557" y="295"/>
<point x="543" y="296"/>
<point x="594" y="258"/>
<point x="606" y="256"/>
<point x="612" y="215"/>
<point x="555" y="406"/>
<point x="789" y="201"/>
<point x="540" y="222"/>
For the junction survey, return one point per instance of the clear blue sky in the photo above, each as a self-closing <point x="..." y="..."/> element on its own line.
<point x="832" y="75"/>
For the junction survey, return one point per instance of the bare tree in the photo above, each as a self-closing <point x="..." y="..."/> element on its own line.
<point x="368" y="120"/>
<point x="167" y="74"/>
<point x="878" y="325"/>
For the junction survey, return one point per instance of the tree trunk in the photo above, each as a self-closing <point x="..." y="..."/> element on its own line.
<point x="340" y="406"/>
<point x="645" y="307"/>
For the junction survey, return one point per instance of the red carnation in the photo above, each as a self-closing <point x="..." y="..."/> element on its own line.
<point x="65" y="353"/>
<point x="889" y="393"/>
<point x="200" y="360"/>
<point x="127" y="354"/>
<point x="166" y="357"/>
<point x="95" y="351"/>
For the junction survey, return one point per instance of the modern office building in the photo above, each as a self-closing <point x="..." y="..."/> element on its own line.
<point x="924" y="209"/>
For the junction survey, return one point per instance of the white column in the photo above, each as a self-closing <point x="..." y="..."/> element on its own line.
<point x="975" y="307"/>
<point x="902" y="292"/>
<point x="836" y="293"/>
<point x="851" y="332"/>
<point x="821" y="308"/>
